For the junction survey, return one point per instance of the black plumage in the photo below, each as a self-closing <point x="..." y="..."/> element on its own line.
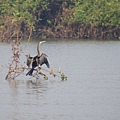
<point x="38" y="60"/>
<point x="35" y="63"/>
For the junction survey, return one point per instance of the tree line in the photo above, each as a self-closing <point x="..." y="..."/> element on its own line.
<point x="93" y="19"/>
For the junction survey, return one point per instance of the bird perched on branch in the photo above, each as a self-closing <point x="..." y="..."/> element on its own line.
<point x="38" y="60"/>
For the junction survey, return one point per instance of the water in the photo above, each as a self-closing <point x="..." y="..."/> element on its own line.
<point x="92" y="91"/>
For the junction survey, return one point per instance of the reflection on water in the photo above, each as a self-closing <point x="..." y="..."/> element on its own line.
<point x="92" y="91"/>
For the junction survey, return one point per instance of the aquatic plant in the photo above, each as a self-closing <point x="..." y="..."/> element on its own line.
<point x="63" y="76"/>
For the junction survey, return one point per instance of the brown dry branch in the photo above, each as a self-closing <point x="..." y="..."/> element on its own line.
<point x="52" y="72"/>
<point x="13" y="68"/>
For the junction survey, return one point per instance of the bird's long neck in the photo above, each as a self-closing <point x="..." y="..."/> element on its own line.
<point x="38" y="49"/>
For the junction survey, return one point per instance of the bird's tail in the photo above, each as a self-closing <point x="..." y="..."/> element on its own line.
<point x="30" y="72"/>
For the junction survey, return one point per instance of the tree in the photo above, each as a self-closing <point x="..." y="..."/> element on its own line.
<point x="98" y="12"/>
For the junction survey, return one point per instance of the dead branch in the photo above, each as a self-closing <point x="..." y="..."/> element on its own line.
<point x="53" y="73"/>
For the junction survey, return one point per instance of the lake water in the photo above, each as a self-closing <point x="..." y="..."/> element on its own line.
<point x="92" y="91"/>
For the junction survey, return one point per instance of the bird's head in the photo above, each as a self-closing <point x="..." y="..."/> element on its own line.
<point x="41" y="42"/>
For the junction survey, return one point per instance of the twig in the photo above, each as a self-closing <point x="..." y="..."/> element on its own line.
<point x="28" y="39"/>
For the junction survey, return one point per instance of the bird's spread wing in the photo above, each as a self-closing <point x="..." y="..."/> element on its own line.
<point x="43" y="60"/>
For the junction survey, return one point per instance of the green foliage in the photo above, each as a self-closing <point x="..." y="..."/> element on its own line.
<point x="62" y="75"/>
<point x="22" y="10"/>
<point x="95" y="13"/>
<point x="98" y="12"/>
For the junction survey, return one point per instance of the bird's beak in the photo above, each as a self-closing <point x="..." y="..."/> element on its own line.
<point x="42" y="42"/>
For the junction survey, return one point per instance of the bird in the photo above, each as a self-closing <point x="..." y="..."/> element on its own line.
<point x="30" y="59"/>
<point x="38" y="60"/>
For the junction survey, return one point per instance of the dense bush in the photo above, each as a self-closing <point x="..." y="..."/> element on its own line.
<point x="98" y="12"/>
<point x="59" y="18"/>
